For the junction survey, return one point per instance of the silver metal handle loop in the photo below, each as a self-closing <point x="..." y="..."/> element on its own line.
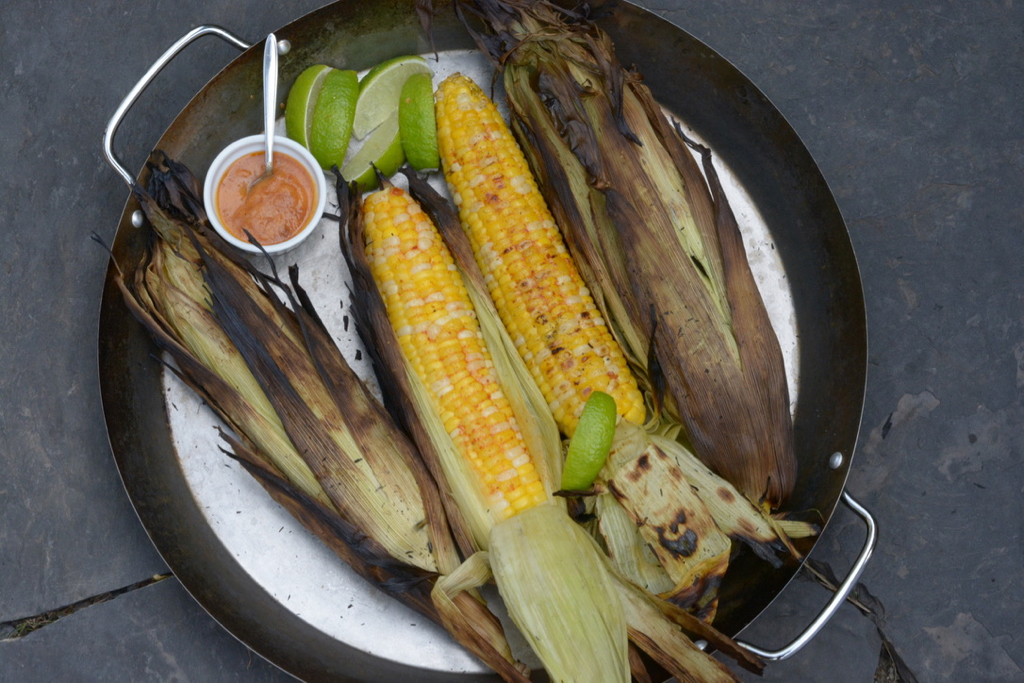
<point x="842" y="592"/>
<point x="158" y="65"/>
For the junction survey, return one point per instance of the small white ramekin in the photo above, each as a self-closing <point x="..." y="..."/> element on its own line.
<point x="248" y="145"/>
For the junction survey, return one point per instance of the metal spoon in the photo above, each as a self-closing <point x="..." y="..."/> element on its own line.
<point x="269" y="103"/>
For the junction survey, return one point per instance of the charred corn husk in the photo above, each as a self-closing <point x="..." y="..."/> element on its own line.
<point x="685" y="485"/>
<point x="543" y="301"/>
<point x="204" y="299"/>
<point x="734" y="513"/>
<point x="657" y="624"/>
<point x="660" y="241"/>
<point x="674" y="523"/>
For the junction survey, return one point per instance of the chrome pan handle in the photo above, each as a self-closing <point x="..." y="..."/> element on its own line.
<point x="158" y="65"/>
<point x="842" y="592"/>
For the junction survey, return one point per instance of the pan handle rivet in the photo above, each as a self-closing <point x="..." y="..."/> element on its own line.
<point x="701" y="644"/>
<point x="836" y="460"/>
<point x="137" y="218"/>
<point x="283" y="47"/>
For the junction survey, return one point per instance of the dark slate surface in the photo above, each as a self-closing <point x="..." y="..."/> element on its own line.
<point x="913" y="112"/>
<point x="155" y="633"/>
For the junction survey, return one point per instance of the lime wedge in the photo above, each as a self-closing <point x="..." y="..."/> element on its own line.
<point x="382" y="149"/>
<point x="298" y="111"/>
<point x="333" y="114"/>
<point x="590" y="443"/>
<point x="380" y="89"/>
<point x="416" y="122"/>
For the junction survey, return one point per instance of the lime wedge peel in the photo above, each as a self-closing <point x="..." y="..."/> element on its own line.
<point x="298" y="113"/>
<point x="590" y="443"/>
<point x="417" y="123"/>
<point x="319" y="112"/>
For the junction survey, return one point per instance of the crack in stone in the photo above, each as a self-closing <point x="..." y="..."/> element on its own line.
<point x="891" y="667"/>
<point x="19" y="628"/>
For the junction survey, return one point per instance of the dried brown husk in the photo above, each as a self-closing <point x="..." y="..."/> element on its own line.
<point x="621" y="182"/>
<point x="660" y="639"/>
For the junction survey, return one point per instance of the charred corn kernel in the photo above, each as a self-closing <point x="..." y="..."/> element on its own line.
<point x="536" y="288"/>
<point x="429" y="307"/>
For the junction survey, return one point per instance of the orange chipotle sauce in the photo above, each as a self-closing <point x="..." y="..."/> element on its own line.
<point x="276" y="208"/>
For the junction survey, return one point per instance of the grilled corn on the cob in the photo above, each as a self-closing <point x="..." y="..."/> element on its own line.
<point x="557" y="587"/>
<point x="574" y="611"/>
<point x="436" y="326"/>
<point x="536" y="288"/>
<point x="541" y="297"/>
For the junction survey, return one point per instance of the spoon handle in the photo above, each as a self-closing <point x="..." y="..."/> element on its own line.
<point x="270" y="95"/>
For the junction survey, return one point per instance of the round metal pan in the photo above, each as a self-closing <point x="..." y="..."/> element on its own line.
<point x="744" y="130"/>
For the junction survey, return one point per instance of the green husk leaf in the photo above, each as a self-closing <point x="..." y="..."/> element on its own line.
<point x="629" y="553"/>
<point x="450" y="595"/>
<point x="560" y="595"/>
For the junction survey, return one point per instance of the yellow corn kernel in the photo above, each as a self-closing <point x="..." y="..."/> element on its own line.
<point x="445" y="347"/>
<point x="536" y="288"/>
